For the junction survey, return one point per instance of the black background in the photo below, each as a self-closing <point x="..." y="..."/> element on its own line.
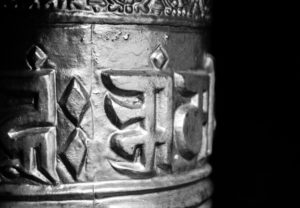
<point x="257" y="75"/>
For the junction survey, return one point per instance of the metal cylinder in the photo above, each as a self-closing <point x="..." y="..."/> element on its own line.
<point x="105" y="103"/>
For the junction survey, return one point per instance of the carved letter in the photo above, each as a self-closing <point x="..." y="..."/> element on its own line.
<point x="28" y="119"/>
<point x="144" y="99"/>
<point x="194" y="119"/>
<point x="38" y="146"/>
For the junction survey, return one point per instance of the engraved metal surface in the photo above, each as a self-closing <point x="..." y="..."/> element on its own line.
<point x="169" y="12"/>
<point x="105" y="115"/>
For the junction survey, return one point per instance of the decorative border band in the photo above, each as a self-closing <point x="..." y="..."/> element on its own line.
<point x="163" y="12"/>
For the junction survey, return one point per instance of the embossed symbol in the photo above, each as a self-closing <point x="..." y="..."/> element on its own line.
<point x="75" y="101"/>
<point x="208" y="108"/>
<point x="35" y="58"/>
<point x="189" y="117"/>
<point x="77" y="118"/>
<point x="75" y="152"/>
<point x="28" y="117"/>
<point x="38" y="147"/>
<point x="133" y="106"/>
<point x="159" y="58"/>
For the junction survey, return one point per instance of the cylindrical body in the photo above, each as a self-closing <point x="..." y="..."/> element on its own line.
<point x="105" y="103"/>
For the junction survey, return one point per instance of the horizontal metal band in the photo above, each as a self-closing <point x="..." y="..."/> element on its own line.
<point x="163" y="12"/>
<point x="99" y="204"/>
<point x="106" y="18"/>
<point x="108" y="189"/>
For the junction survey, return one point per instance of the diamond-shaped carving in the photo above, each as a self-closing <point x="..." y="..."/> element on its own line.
<point x="159" y="58"/>
<point x="66" y="128"/>
<point x="74" y="101"/>
<point x="75" y="153"/>
<point x="35" y="57"/>
<point x="87" y="123"/>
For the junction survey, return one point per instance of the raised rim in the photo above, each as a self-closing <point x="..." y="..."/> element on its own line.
<point x="103" y="189"/>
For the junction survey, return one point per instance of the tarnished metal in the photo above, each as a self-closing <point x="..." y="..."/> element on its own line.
<point x="105" y="103"/>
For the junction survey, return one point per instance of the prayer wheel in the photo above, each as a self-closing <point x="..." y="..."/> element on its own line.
<point x="105" y="103"/>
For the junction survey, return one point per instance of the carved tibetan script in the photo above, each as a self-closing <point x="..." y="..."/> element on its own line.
<point x="155" y="115"/>
<point x="191" y="116"/>
<point x="145" y="106"/>
<point x="139" y="104"/>
<point x="28" y="119"/>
